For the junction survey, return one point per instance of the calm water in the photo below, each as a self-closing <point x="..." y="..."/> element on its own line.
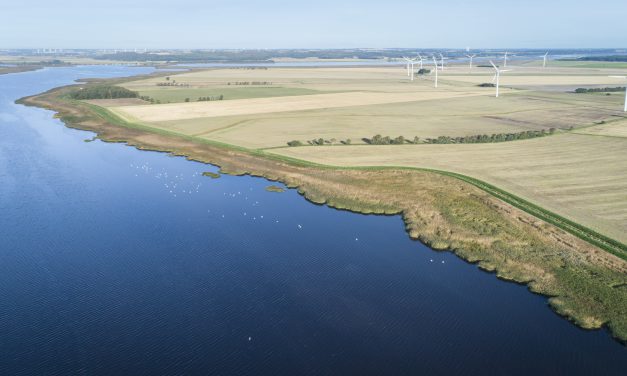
<point x="114" y="260"/>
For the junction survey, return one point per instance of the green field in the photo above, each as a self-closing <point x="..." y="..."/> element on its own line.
<point x="175" y="95"/>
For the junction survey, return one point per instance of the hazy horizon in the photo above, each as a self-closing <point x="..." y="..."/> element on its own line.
<point x="280" y="24"/>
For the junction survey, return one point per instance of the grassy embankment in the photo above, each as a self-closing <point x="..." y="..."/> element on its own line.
<point x="583" y="283"/>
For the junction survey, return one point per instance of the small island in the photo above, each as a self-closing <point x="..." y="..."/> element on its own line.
<point x="212" y="175"/>
<point x="274" y="188"/>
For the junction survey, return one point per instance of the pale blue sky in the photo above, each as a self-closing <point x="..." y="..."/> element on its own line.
<point x="312" y="24"/>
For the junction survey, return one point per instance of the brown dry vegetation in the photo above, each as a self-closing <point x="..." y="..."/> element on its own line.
<point x="581" y="280"/>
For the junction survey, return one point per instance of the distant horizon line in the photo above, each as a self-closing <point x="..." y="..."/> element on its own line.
<point x="132" y="49"/>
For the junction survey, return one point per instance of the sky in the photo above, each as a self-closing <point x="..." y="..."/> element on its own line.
<point x="313" y="24"/>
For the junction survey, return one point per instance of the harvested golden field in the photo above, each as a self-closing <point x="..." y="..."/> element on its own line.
<point x="353" y="103"/>
<point x="522" y="80"/>
<point x="184" y="111"/>
<point x="425" y="119"/>
<point x="578" y="176"/>
<point x="615" y="129"/>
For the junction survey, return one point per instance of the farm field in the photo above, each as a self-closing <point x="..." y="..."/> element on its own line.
<point x="574" y="173"/>
<point x="615" y="129"/>
<point x="177" y="95"/>
<point x="581" y="177"/>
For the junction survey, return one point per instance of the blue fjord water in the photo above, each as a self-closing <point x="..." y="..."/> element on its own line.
<point x="119" y="261"/>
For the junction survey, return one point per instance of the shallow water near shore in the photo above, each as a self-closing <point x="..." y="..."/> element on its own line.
<point x="115" y="260"/>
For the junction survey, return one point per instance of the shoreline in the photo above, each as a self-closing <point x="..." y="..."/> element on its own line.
<point x="21" y="68"/>
<point x="441" y="211"/>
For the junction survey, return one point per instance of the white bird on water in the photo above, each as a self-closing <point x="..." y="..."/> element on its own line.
<point x="299" y="226"/>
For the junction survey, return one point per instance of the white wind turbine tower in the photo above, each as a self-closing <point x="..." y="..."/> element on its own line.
<point x="421" y="59"/>
<point x="470" y="57"/>
<point x="412" y="62"/>
<point x="505" y="60"/>
<point x="624" y="78"/>
<point x="410" y="67"/>
<point x="435" y="63"/>
<point x="407" y="61"/>
<point x="442" y="61"/>
<point x="498" y="76"/>
<point x="546" y="55"/>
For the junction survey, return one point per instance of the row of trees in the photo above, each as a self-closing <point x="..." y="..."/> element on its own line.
<point x="582" y="90"/>
<point x="245" y="83"/>
<point x="208" y="99"/>
<point x="484" y="138"/>
<point x="103" y="92"/>
<point x="386" y="140"/>
<point x="614" y="58"/>
<point x="320" y="141"/>
<point x="172" y="83"/>
<point x="149" y="99"/>
<point x="400" y="140"/>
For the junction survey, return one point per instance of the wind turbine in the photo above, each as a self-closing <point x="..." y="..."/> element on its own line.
<point x="624" y="78"/>
<point x="505" y="60"/>
<point x="435" y="63"/>
<point x="498" y="76"/>
<point x="410" y="71"/>
<point x="470" y="57"/>
<point x="442" y="61"/>
<point x="421" y="59"/>
<point x="546" y="55"/>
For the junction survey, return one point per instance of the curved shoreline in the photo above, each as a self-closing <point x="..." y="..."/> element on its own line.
<point x="440" y="211"/>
